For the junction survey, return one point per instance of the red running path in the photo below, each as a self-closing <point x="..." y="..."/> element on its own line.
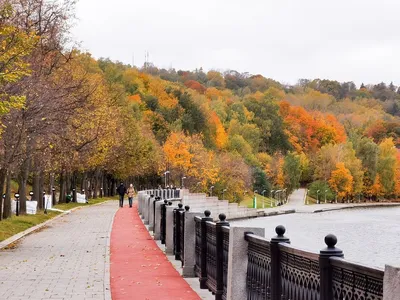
<point x="139" y="269"/>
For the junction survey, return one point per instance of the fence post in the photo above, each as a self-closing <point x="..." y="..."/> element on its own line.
<point x="163" y="221"/>
<point x="276" y="284"/>
<point x="177" y="235"/>
<point x="220" y="256"/>
<point x="182" y="234"/>
<point x="203" y="259"/>
<point x="325" y="269"/>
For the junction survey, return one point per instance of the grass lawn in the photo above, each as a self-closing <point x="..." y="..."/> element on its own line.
<point x="248" y="201"/>
<point x="15" y="224"/>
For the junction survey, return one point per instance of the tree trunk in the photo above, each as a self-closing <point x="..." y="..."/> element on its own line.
<point x="41" y="195"/>
<point x="22" y="180"/>
<point x="7" y="200"/>
<point x="62" y="188"/>
<point x="3" y="173"/>
<point x="36" y="190"/>
<point x="52" y="185"/>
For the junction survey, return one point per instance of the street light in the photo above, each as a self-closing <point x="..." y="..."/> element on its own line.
<point x="211" y="190"/>
<point x="325" y="195"/>
<point x="263" y="192"/>
<point x="165" y="175"/>
<point x="255" y="199"/>
<point x="16" y="195"/>
<point x="272" y="192"/>
<point x="31" y="194"/>
<point x="223" y="193"/>
<point x="317" y="197"/>
<point x="54" y="195"/>
<point x="183" y="178"/>
<point x="45" y="202"/>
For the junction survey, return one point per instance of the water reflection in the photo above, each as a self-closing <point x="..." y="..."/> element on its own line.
<point x="368" y="235"/>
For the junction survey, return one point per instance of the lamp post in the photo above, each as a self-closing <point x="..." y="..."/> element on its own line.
<point x="255" y="199"/>
<point x="285" y="196"/>
<point x="325" y="195"/>
<point x="16" y="195"/>
<point x="318" y="197"/>
<point x="211" y="190"/>
<point x="53" y="195"/>
<point x="183" y="178"/>
<point x="223" y="193"/>
<point x="165" y="178"/>
<point x="45" y="202"/>
<point x="101" y="192"/>
<point x="31" y="194"/>
<point x="272" y="193"/>
<point x="263" y="193"/>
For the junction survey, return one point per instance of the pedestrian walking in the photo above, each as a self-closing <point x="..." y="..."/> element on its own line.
<point x="131" y="194"/>
<point x="121" y="190"/>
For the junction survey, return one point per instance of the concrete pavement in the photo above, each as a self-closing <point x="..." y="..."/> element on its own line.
<point x="67" y="259"/>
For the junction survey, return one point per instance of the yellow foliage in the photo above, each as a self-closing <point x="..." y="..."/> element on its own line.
<point x="341" y="180"/>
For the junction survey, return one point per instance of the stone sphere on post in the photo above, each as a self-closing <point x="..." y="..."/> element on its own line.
<point x="222" y="217"/>
<point x="280" y="235"/>
<point x="331" y="250"/>
<point x="180" y="205"/>
<point x="207" y="213"/>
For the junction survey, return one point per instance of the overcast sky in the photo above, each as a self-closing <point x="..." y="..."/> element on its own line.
<point x="345" y="40"/>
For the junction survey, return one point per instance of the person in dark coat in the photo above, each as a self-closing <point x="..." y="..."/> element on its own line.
<point x="121" y="190"/>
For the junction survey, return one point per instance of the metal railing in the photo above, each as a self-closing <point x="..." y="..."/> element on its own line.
<point x="278" y="271"/>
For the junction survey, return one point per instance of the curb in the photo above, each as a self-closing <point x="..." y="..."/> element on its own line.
<point x="28" y="231"/>
<point x="107" y="274"/>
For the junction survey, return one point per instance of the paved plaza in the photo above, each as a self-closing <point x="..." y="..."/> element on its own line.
<point x="68" y="259"/>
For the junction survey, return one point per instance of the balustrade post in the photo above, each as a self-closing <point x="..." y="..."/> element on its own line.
<point x="325" y="267"/>
<point x="182" y="234"/>
<point x="276" y="281"/>
<point x="177" y="231"/>
<point x="163" y="221"/>
<point x="220" y="256"/>
<point x="203" y="246"/>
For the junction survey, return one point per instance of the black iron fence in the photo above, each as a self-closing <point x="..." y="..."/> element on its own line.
<point x="278" y="271"/>
<point x="275" y="269"/>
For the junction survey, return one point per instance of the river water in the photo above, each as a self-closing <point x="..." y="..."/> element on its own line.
<point x="370" y="236"/>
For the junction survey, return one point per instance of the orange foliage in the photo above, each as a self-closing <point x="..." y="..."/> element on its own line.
<point x="157" y="89"/>
<point x="195" y="85"/>
<point x="341" y="180"/>
<point x="309" y="131"/>
<point x="213" y="94"/>
<point x="135" y="99"/>
<point x="377" y="188"/>
<point x="221" y="136"/>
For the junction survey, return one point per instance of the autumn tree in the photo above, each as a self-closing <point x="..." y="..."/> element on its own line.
<point x="341" y="181"/>
<point x="387" y="165"/>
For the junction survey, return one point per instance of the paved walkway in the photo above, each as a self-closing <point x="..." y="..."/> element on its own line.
<point x="296" y="204"/>
<point x="139" y="269"/>
<point x="66" y="260"/>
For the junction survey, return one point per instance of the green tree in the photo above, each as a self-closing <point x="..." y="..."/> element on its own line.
<point x="292" y="172"/>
